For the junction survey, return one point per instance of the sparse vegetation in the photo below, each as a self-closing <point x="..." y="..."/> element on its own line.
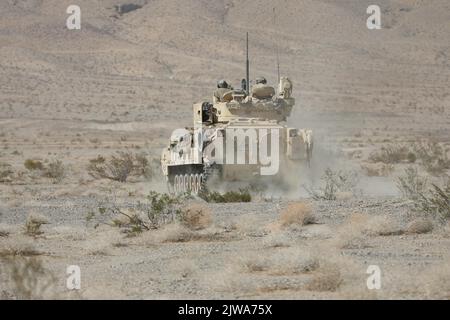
<point x="120" y="166"/>
<point x="297" y="213"/>
<point x="33" y="224"/>
<point x="328" y="278"/>
<point x="55" y="170"/>
<point x="28" y="278"/>
<point x="32" y="165"/>
<point x="242" y="195"/>
<point x="411" y="184"/>
<point x="158" y="209"/>
<point x="419" y="226"/>
<point x="394" y="153"/>
<point x="196" y="216"/>
<point x="5" y="172"/>
<point x="433" y="157"/>
<point x="432" y="200"/>
<point x="333" y="183"/>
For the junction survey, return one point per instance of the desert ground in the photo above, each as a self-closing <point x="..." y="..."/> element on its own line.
<point x="378" y="102"/>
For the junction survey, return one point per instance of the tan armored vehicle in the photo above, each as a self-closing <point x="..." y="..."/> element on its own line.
<point x="240" y="136"/>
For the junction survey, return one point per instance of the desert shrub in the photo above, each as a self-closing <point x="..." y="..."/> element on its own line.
<point x="283" y="262"/>
<point x="394" y="153"/>
<point x="433" y="157"/>
<point x="432" y="200"/>
<point x="242" y="195"/>
<point x="120" y="166"/>
<point x="411" y="184"/>
<point x="5" y="172"/>
<point x="28" y="277"/>
<point x="33" y="224"/>
<point x="419" y="226"/>
<point x="55" y="170"/>
<point x="334" y="182"/>
<point x="298" y="213"/>
<point x="157" y="210"/>
<point x="32" y="165"/>
<point x="18" y="249"/>
<point x="439" y="201"/>
<point x="328" y="278"/>
<point x="196" y="216"/>
<point x="143" y="166"/>
<point x="377" y="169"/>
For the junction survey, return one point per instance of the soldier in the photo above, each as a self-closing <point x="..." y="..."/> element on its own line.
<point x="261" y="80"/>
<point x="261" y="90"/>
<point x="222" y="88"/>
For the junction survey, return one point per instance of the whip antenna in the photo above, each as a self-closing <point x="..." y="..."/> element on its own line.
<point x="276" y="44"/>
<point x="248" y="71"/>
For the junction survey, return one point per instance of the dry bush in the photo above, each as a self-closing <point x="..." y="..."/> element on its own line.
<point x="356" y="229"/>
<point x="33" y="224"/>
<point x="276" y="240"/>
<point x="143" y="166"/>
<point x="174" y="233"/>
<point x="350" y="233"/>
<point x="28" y="279"/>
<point x="433" y="157"/>
<point x="283" y="262"/>
<point x="333" y="183"/>
<point x="196" y="216"/>
<point x="328" y="278"/>
<point x="394" y="153"/>
<point x="55" y="170"/>
<point x="419" y="226"/>
<point x="411" y="184"/>
<point x="382" y="226"/>
<point x="433" y="201"/>
<point x="6" y="172"/>
<point x="377" y="169"/>
<point x="120" y="166"/>
<point x="14" y="248"/>
<point x="297" y="213"/>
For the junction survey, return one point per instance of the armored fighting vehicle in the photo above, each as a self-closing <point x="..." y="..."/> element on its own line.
<point x="240" y="136"/>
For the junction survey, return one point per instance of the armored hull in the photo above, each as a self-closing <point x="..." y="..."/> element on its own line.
<point x="241" y="136"/>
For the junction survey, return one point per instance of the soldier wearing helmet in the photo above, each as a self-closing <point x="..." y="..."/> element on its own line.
<point x="222" y="88"/>
<point x="261" y="80"/>
<point x="261" y="90"/>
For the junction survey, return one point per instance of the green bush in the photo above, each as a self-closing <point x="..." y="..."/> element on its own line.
<point x="243" y="195"/>
<point x="31" y="164"/>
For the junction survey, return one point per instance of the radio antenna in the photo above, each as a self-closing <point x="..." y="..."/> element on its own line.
<point x="276" y="44"/>
<point x="248" y="71"/>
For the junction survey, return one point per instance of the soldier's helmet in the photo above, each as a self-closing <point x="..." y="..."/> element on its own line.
<point x="222" y="84"/>
<point x="261" y="80"/>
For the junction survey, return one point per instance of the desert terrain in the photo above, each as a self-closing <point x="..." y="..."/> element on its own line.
<point x="377" y="100"/>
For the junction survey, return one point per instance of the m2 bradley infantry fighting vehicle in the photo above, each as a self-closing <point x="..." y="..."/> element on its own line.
<point x="240" y="136"/>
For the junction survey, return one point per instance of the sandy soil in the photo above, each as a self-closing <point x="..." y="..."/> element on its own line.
<point x="124" y="82"/>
